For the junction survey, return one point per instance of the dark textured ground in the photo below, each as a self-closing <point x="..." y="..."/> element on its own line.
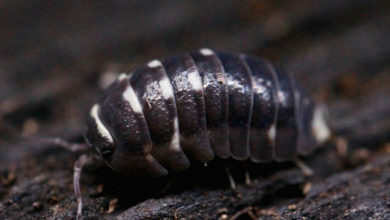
<point x="55" y="56"/>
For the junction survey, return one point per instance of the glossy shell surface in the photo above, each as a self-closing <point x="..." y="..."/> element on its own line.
<point x="199" y="105"/>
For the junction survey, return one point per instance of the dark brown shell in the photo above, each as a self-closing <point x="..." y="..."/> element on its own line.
<point x="200" y="104"/>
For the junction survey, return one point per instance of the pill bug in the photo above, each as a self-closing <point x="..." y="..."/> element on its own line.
<point x="200" y="104"/>
<point x="197" y="105"/>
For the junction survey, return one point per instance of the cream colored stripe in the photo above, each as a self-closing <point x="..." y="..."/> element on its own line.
<point x="101" y="128"/>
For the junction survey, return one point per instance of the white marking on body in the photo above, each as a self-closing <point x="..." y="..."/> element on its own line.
<point x="122" y="76"/>
<point x="130" y="96"/>
<point x="154" y="64"/>
<point x="166" y="88"/>
<point x="272" y="133"/>
<point x="320" y="130"/>
<point x="101" y="128"/>
<point x="175" y="138"/>
<point x="206" y="52"/>
<point x="195" y="81"/>
<point x="282" y="97"/>
<point x="259" y="88"/>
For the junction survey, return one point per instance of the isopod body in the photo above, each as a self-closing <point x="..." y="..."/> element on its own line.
<point x="200" y="104"/>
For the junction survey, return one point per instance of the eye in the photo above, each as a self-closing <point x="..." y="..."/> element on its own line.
<point x="107" y="150"/>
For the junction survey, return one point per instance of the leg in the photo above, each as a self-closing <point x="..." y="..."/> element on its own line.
<point x="247" y="210"/>
<point x="231" y="180"/>
<point x="76" y="182"/>
<point x="73" y="147"/>
<point x="168" y="185"/>
<point x="341" y="146"/>
<point x="307" y="171"/>
<point x="248" y="180"/>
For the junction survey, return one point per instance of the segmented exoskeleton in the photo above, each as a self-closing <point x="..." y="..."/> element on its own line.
<point x="200" y="104"/>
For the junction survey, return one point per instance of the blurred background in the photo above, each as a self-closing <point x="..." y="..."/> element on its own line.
<point x="56" y="57"/>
